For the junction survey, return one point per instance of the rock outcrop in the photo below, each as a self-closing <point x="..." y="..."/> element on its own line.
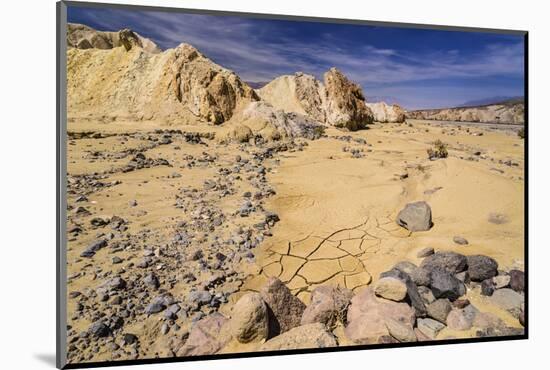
<point x="129" y="82"/>
<point x="383" y="112"/>
<point x="346" y="105"/>
<point x="83" y="37"/>
<point x="336" y="102"/>
<point x="263" y="120"/>
<point x="299" y="93"/>
<point x="512" y="112"/>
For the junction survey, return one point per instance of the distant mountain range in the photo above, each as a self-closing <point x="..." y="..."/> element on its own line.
<point x="257" y="85"/>
<point x="493" y="100"/>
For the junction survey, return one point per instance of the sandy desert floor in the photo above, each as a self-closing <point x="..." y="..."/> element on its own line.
<point x="193" y="213"/>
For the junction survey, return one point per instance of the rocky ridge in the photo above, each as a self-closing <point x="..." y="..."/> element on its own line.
<point x="510" y="113"/>
<point x="336" y="102"/>
<point x="83" y="37"/>
<point x="178" y="85"/>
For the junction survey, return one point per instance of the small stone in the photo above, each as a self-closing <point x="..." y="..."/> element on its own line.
<point x="517" y="280"/>
<point x="487" y="287"/>
<point x="413" y="296"/>
<point x="439" y="309"/>
<point x="164" y="329"/>
<point x="426" y="294"/>
<point x="199" y="298"/>
<point x="98" y="329"/>
<point x="461" y="303"/>
<point x="129" y="338"/>
<point x="497" y="218"/>
<point x="154" y="307"/>
<point x="403" y="332"/>
<point x="460" y="240"/>
<point x="93" y="248"/>
<point x="116" y="260"/>
<point x="463" y="276"/>
<point x="425" y="252"/>
<point x="429" y="327"/>
<point x="391" y="288"/>
<point x="151" y="280"/>
<point x="116" y="300"/>
<point x="501" y="281"/>
<point x="421" y="276"/>
<point x="461" y="319"/>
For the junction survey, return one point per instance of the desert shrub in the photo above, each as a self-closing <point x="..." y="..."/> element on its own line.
<point x="521" y="133"/>
<point x="439" y="150"/>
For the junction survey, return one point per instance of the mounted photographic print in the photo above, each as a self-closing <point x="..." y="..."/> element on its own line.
<point x="234" y="184"/>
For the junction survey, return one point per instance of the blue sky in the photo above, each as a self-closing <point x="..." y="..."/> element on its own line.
<point x="414" y="67"/>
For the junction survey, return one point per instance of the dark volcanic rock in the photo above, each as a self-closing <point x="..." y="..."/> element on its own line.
<point x="487" y="287"/>
<point x="481" y="267"/>
<point x="285" y="310"/>
<point x="93" y="248"/>
<point x="415" y="217"/>
<point x="445" y="285"/>
<point x="451" y="262"/>
<point x="517" y="280"/>
<point x="98" y="329"/>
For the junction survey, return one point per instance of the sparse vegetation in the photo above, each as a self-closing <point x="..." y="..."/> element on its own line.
<point x="439" y="150"/>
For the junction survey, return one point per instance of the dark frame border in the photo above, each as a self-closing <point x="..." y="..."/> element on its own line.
<point x="61" y="166"/>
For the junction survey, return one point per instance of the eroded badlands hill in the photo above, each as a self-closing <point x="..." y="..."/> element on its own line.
<point x="131" y="83"/>
<point x="122" y="76"/>
<point x="505" y="112"/>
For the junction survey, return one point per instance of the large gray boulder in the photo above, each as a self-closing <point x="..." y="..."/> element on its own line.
<point x="415" y="216"/>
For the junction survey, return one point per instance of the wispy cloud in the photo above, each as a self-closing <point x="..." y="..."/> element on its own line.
<point x="261" y="51"/>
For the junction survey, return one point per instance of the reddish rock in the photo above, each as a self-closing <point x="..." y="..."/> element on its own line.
<point x="367" y="316"/>
<point x="285" y="310"/>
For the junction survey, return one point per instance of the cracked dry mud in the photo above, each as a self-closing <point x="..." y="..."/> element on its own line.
<point x="198" y="216"/>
